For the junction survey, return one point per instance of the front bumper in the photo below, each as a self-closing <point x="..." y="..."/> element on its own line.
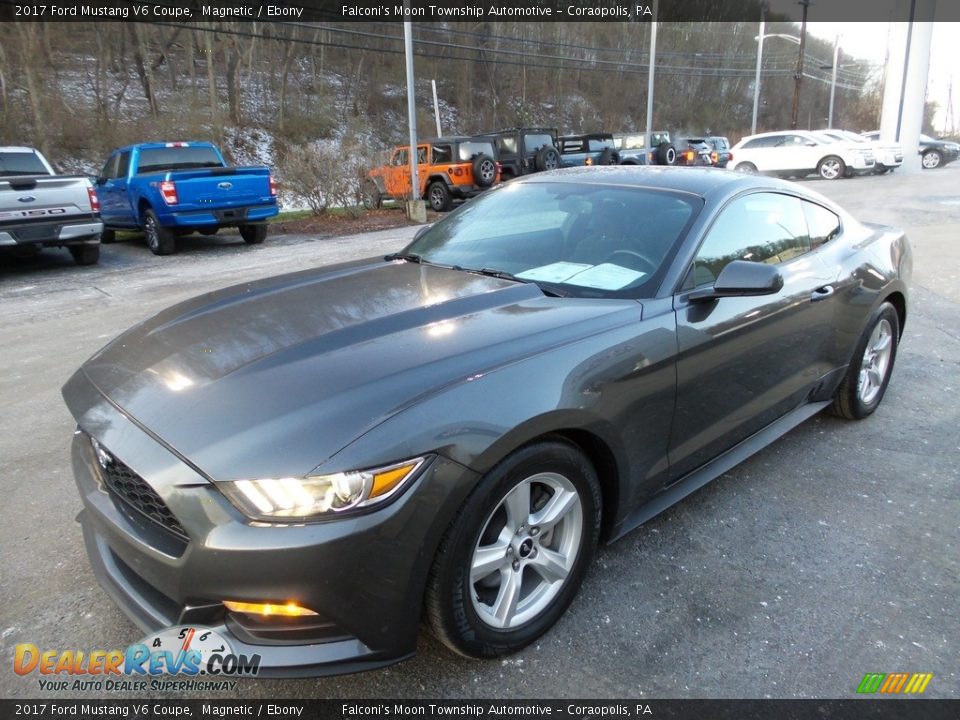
<point x="55" y="234"/>
<point x="364" y="575"/>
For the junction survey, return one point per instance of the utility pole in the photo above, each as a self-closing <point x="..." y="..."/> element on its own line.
<point x="798" y="76"/>
<point x="653" y="63"/>
<point x="833" y="79"/>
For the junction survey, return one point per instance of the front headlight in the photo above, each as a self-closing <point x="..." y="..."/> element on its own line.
<point x="311" y="498"/>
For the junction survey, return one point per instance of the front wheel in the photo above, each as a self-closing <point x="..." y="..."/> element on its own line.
<point x="831" y="168"/>
<point x="866" y="380"/>
<point x="746" y="168"/>
<point x="160" y="240"/>
<point x="515" y="556"/>
<point x="253" y="234"/>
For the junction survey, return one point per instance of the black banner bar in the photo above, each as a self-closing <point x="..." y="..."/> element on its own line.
<point x="473" y="10"/>
<point x="872" y="709"/>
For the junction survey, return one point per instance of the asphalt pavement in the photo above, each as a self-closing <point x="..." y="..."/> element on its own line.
<point x="833" y="553"/>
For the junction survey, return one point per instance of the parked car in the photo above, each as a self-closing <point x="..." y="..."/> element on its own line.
<point x="522" y="151"/>
<point x="588" y="149"/>
<point x="933" y="153"/>
<point x="309" y="464"/>
<point x="799" y="153"/>
<point x="177" y="188"/>
<point x="693" y="151"/>
<point x="889" y="156"/>
<point x="448" y="168"/>
<point x="39" y="208"/>
<point x="720" y="154"/>
<point x="634" y="148"/>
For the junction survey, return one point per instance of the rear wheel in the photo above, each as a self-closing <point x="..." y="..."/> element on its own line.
<point x="747" y="168"/>
<point x="547" y="158"/>
<point x="85" y="254"/>
<point x="666" y="154"/>
<point x="931" y="159"/>
<point x="517" y="552"/>
<point x="160" y="240"/>
<point x="439" y="196"/>
<point x="831" y="168"/>
<point x="866" y="380"/>
<point x="253" y="234"/>
<point x="608" y="157"/>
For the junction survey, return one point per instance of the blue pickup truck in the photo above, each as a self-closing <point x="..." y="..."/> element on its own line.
<point x="176" y="188"/>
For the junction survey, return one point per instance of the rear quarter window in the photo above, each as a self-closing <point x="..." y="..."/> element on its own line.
<point x="21" y="163"/>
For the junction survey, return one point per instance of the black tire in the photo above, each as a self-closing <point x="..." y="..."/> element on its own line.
<point x="831" y="168"/>
<point x="931" y="159"/>
<point x="484" y="170"/>
<point x="609" y="156"/>
<point x="372" y="199"/>
<point x="851" y="401"/>
<point x="452" y="598"/>
<point x="881" y="169"/>
<point x="160" y="240"/>
<point x="108" y="236"/>
<point x="745" y="167"/>
<point x="208" y="231"/>
<point x="547" y="158"/>
<point x="438" y="195"/>
<point x="253" y="234"/>
<point x="85" y="254"/>
<point x="666" y="154"/>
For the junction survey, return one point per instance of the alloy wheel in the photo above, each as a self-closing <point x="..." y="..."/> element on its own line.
<point x="876" y="362"/>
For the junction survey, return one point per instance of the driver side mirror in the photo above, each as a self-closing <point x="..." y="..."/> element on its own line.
<point x="741" y="278"/>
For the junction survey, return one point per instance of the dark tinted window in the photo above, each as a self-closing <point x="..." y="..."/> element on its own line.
<point x="110" y="168"/>
<point x="507" y="144"/>
<point x="824" y="225"/>
<point x="762" y="227"/>
<point x="763" y="142"/>
<point x="177" y="158"/>
<point x="124" y="164"/>
<point x="21" y="163"/>
<point x="442" y="154"/>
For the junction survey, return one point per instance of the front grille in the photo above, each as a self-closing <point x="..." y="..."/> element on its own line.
<point x="124" y="484"/>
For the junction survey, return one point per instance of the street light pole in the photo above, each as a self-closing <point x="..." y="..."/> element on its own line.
<point x="798" y="77"/>
<point x="653" y="65"/>
<point x="833" y="79"/>
<point x="756" y="81"/>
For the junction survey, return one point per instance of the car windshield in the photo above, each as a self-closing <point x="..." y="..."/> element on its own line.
<point x="177" y="158"/>
<point x="577" y="239"/>
<point x="21" y="163"/>
<point x="469" y="150"/>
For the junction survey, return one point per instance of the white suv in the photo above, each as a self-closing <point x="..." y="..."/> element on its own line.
<point x="799" y="153"/>
<point x="889" y="155"/>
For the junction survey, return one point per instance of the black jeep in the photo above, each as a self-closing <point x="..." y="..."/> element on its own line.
<point x="522" y="151"/>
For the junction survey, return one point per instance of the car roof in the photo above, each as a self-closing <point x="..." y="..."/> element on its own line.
<point x="697" y="181"/>
<point x="16" y="148"/>
<point x="451" y="138"/>
<point x="161" y="145"/>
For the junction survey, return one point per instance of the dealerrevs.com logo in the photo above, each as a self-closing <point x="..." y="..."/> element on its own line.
<point x="158" y="662"/>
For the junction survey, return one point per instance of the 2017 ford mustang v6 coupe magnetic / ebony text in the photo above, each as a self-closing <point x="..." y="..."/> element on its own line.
<point x="311" y="463"/>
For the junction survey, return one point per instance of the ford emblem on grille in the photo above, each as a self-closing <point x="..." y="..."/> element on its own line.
<point x="225" y="185"/>
<point x="26" y="198"/>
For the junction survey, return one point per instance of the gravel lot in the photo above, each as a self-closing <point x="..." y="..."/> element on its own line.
<point x="833" y="553"/>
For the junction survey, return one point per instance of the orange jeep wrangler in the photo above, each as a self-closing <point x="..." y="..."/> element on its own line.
<point x="447" y="168"/>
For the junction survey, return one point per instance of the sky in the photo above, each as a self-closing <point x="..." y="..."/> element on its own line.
<point x="868" y="41"/>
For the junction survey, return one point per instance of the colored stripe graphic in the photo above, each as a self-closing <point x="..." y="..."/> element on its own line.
<point x="895" y="683"/>
<point x="871" y="682"/>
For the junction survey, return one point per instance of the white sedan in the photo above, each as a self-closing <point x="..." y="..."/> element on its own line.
<point x="889" y="155"/>
<point x="799" y="153"/>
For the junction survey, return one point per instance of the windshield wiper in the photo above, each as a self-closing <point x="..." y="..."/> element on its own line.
<point x="547" y="288"/>
<point x="409" y="257"/>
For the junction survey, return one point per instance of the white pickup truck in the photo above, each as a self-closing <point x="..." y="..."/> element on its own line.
<point x="39" y="208"/>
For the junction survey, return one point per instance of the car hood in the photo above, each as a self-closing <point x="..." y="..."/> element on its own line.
<point x="273" y="377"/>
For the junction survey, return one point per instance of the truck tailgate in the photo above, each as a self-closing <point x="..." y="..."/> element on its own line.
<point x="43" y="197"/>
<point x="212" y="189"/>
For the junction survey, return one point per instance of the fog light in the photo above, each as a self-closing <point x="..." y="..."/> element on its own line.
<point x="268" y="609"/>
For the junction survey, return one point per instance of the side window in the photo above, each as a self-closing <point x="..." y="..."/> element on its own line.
<point x="124" y="164"/>
<point x="823" y="224"/>
<point x="421" y="155"/>
<point x="442" y="154"/>
<point x="763" y="142"/>
<point x="400" y="157"/>
<point x="762" y="227"/>
<point x="507" y="145"/>
<point x="110" y="169"/>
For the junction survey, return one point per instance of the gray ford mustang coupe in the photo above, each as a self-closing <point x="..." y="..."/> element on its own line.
<point x="311" y="463"/>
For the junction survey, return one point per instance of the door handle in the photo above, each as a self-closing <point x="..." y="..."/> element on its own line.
<point x="821" y="293"/>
